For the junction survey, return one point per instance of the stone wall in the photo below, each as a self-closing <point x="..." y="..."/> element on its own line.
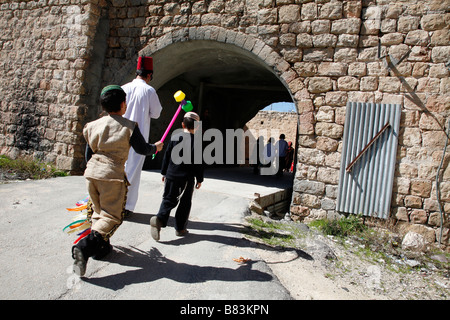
<point x="341" y="63"/>
<point x="282" y="122"/>
<point x="325" y="52"/>
<point x="46" y="50"/>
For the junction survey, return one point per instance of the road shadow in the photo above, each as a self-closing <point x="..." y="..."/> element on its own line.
<point x="236" y="228"/>
<point x="238" y="241"/>
<point x="152" y="265"/>
<point x="141" y="218"/>
<point x="247" y="176"/>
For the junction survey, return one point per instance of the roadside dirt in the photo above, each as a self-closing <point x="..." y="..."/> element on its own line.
<point x="325" y="268"/>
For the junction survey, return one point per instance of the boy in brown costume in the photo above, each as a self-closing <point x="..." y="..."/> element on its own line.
<point x="108" y="142"/>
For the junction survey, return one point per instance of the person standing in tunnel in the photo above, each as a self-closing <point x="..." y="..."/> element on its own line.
<point x="142" y="105"/>
<point x="289" y="158"/>
<point x="282" y="153"/>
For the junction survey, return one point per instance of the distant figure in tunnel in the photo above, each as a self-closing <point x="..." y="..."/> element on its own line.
<point x="282" y="153"/>
<point x="289" y="158"/>
<point x="142" y="105"/>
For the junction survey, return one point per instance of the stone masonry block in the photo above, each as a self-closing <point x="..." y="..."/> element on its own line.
<point x="309" y="11"/>
<point x="349" y="26"/>
<point x="319" y="84"/>
<point x="309" y="187"/>
<point x="331" y="10"/>
<point x="332" y="69"/>
<point x="311" y="156"/>
<point x="331" y="130"/>
<point x="289" y="14"/>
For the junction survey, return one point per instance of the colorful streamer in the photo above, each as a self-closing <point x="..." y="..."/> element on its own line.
<point x="80" y="208"/>
<point x="74" y="224"/>
<point x="84" y="234"/>
<point x="82" y="202"/>
<point x="80" y="224"/>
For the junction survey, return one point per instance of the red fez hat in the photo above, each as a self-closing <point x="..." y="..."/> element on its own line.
<point x="145" y="63"/>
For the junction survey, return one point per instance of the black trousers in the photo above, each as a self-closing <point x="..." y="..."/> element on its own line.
<point x="177" y="193"/>
<point x="281" y="165"/>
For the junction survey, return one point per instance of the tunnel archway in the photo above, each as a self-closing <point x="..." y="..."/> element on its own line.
<point x="224" y="78"/>
<point x="232" y="83"/>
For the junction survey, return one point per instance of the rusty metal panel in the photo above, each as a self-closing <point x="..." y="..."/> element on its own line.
<point x="368" y="159"/>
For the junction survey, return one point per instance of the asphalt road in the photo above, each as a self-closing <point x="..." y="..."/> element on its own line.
<point x="35" y="254"/>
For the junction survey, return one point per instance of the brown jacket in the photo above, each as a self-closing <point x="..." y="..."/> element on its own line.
<point x="109" y="139"/>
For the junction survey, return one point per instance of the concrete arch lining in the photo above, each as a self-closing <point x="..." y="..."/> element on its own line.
<point x="233" y="73"/>
<point x="207" y="58"/>
<point x="209" y="49"/>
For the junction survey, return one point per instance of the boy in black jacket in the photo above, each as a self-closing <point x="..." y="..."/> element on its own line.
<point x="179" y="175"/>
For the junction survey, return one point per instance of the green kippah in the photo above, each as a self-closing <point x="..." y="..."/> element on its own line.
<point x="111" y="87"/>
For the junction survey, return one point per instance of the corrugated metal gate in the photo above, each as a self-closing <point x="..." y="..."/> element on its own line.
<point x="368" y="159"/>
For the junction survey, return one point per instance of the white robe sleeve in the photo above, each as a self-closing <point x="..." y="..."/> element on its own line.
<point x="155" y="106"/>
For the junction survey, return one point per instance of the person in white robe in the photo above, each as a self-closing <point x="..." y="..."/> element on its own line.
<point x="142" y="105"/>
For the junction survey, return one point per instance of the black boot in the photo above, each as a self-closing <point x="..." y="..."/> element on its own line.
<point x="103" y="250"/>
<point x="79" y="265"/>
<point x="89" y="246"/>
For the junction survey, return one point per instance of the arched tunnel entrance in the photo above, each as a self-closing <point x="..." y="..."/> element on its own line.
<point x="228" y="82"/>
<point x="223" y="78"/>
<point x="233" y="84"/>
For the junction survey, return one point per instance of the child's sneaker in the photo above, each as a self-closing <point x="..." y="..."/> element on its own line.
<point x="79" y="265"/>
<point x="181" y="233"/>
<point x="155" y="227"/>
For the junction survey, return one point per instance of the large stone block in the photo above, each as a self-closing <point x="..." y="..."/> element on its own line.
<point x="332" y="69"/>
<point x="435" y="21"/>
<point x="289" y="13"/>
<point x="349" y="26"/>
<point x="331" y="130"/>
<point x="331" y="10"/>
<point x="319" y="84"/>
<point x="309" y="187"/>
